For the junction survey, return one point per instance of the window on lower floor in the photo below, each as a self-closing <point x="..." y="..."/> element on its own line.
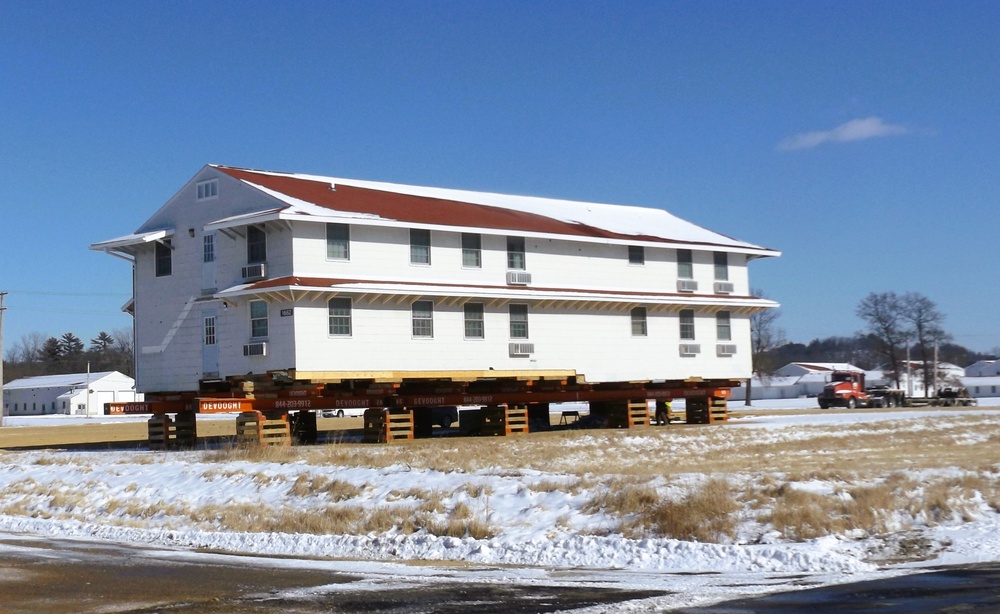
<point x="258" y="319"/>
<point x="687" y="324"/>
<point x="636" y="254"/>
<point x="723" y="327"/>
<point x="475" y="326"/>
<point x="164" y="258"/>
<point x="340" y="316"/>
<point x="639" y="322"/>
<point x="422" y="317"/>
<point x="518" y="321"/>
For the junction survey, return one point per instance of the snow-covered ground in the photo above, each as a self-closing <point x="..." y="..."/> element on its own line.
<point x="546" y="534"/>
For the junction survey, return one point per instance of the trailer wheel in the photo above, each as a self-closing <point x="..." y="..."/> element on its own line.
<point x="851" y="403"/>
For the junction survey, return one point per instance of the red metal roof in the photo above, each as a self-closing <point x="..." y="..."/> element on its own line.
<point x="421" y="209"/>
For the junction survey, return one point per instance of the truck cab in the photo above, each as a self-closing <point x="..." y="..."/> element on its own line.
<point x="845" y="389"/>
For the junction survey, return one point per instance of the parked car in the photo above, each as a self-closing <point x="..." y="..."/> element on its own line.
<point x="340" y="413"/>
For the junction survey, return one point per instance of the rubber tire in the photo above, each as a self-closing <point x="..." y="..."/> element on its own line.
<point x="340" y="413"/>
<point x="851" y="403"/>
<point x="824" y="405"/>
<point x="890" y="401"/>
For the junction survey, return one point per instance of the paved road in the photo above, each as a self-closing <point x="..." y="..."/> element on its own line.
<point x="66" y="577"/>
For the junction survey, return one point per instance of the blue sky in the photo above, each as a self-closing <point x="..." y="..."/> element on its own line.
<point x="859" y="138"/>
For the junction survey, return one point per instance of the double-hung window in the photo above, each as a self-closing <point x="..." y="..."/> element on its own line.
<point x="685" y="266"/>
<point x="636" y="254"/>
<point x="518" y="321"/>
<point x="515" y="253"/>
<point x="420" y="246"/>
<point x="472" y="250"/>
<point x="256" y="245"/>
<point x="639" y="322"/>
<point x="340" y="316"/>
<point x="422" y="317"/>
<point x="721" y="266"/>
<point x="475" y="325"/>
<point x="164" y="262"/>
<point x="258" y="319"/>
<point x="687" y="324"/>
<point x="338" y="242"/>
<point x="723" y="327"/>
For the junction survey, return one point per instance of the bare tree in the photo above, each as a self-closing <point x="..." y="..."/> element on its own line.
<point x="925" y="322"/>
<point x="883" y="314"/>
<point x="764" y="337"/>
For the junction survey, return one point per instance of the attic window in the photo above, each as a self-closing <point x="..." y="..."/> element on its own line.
<point x="208" y="189"/>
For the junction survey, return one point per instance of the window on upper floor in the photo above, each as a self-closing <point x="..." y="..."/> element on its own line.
<point x="208" y="248"/>
<point x="472" y="250"/>
<point x="515" y="253"/>
<point x="687" y="324"/>
<point x="518" y="321"/>
<point x="685" y="264"/>
<point x="256" y="245"/>
<point x="638" y="321"/>
<point x="422" y="318"/>
<point x="723" y="326"/>
<point x="340" y="316"/>
<point x="420" y="246"/>
<point x="258" y="319"/>
<point x="721" y="266"/>
<point x="208" y="189"/>
<point x="164" y="258"/>
<point x="338" y="242"/>
<point x="636" y="254"/>
<point x="475" y="326"/>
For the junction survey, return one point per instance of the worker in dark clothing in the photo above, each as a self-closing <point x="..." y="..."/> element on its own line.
<point x="662" y="412"/>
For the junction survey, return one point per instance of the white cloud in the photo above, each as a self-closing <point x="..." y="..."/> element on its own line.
<point x="854" y="130"/>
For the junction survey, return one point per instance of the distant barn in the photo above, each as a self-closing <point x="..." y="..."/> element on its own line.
<point x="67" y="393"/>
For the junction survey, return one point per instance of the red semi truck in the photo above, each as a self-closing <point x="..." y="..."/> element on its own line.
<point x="847" y="389"/>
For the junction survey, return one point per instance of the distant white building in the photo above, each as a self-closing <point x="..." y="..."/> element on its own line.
<point x="806" y="379"/>
<point x="982" y="386"/>
<point x="983" y="368"/>
<point x="71" y="393"/>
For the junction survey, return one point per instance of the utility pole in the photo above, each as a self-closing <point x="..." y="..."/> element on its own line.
<point x="3" y="295"/>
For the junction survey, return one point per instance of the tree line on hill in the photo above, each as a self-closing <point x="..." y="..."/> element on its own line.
<point x="898" y="327"/>
<point x="35" y="354"/>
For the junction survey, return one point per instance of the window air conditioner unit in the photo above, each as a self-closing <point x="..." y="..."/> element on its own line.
<point x="723" y="287"/>
<point x="687" y="285"/>
<point x="253" y="272"/>
<point x="726" y="349"/>
<point x="690" y="349"/>
<point x="518" y="278"/>
<point x="255" y="349"/>
<point x="522" y="349"/>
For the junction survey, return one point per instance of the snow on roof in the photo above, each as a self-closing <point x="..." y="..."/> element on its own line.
<point x="62" y="380"/>
<point x="351" y="198"/>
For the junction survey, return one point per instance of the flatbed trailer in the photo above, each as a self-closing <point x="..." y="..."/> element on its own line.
<point x="275" y="410"/>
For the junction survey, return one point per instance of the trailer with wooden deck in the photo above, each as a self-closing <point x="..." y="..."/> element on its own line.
<point x="271" y="411"/>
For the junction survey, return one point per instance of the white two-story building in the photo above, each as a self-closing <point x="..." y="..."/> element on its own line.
<point x="248" y="272"/>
